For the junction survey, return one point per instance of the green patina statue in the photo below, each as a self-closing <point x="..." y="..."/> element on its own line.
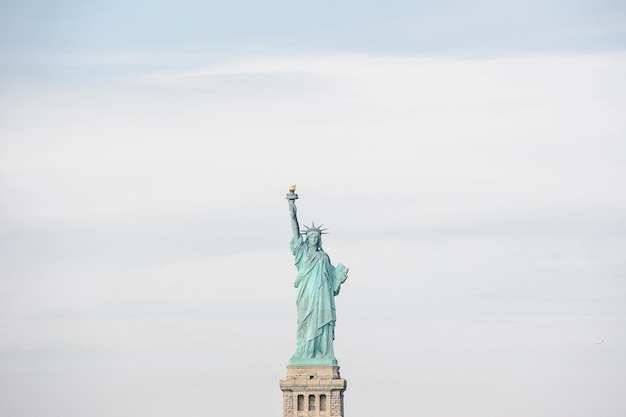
<point x="318" y="283"/>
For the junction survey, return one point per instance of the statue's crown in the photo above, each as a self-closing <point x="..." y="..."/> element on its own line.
<point x="313" y="229"/>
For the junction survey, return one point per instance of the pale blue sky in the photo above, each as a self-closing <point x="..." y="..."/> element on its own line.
<point x="365" y="26"/>
<point x="36" y="35"/>
<point x="468" y="157"/>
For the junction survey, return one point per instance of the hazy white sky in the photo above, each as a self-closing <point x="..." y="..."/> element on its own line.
<point x="468" y="158"/>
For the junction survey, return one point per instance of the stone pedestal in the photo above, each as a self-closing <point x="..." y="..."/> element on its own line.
<point x="313" y="391"/>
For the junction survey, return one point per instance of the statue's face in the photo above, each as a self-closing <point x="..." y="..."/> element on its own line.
<point x="313" y="239"/>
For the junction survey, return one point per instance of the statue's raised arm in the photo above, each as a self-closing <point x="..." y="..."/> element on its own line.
<point x="293" y="211"/>
<point x="295" y="227"/>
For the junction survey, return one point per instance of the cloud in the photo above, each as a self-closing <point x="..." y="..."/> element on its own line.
<point x="477" y="203"/>
<point x="536" y="129"/>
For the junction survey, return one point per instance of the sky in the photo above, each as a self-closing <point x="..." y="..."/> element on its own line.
<point x="468" y="158"/>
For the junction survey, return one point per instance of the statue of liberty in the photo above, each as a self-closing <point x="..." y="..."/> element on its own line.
<point x="318" y="282"/>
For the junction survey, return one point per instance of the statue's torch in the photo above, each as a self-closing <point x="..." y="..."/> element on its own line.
<point x="292" y="193"/>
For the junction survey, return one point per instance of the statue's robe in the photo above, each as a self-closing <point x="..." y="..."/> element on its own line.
<point x="318" y="282"/>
